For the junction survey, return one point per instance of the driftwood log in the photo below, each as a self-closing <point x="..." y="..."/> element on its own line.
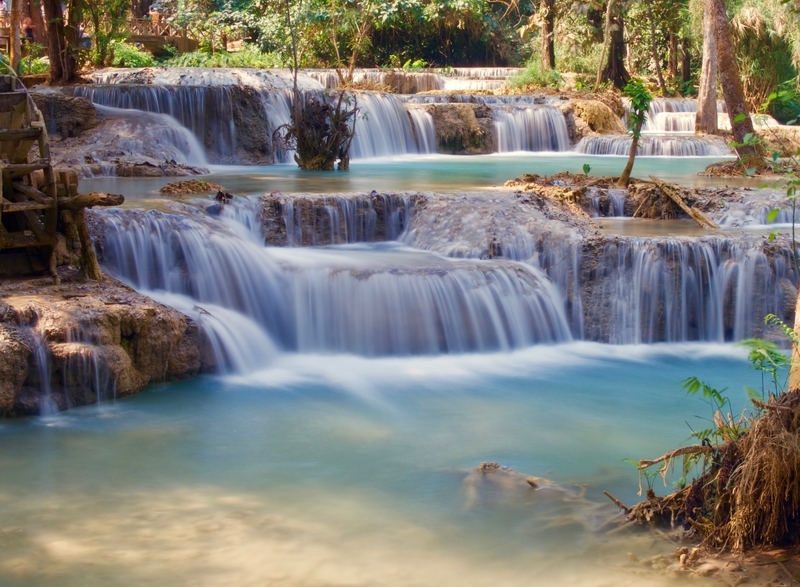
<point x="693" y="213"/>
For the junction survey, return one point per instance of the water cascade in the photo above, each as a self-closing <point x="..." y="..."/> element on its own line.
<point x="157" y="136"/>
<point x="676" y="289"/>
<point x="210" y="113"/>
<point x="530" y="128"/>
<point x="655" y="146"/>
<point x="360" y="300"/>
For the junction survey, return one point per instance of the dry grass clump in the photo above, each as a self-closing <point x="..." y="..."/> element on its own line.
<point x="749" y="493"/>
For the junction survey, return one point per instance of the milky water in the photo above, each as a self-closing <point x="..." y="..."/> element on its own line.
<point x="342" y="470"/>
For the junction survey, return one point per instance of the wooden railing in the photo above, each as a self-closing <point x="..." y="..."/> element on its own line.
<point x="152" y="27"/>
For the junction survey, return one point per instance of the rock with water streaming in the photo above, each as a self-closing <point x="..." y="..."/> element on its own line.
<point x="76" y="344"/>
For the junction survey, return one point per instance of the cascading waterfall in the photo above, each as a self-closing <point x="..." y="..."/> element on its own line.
<point x="157" y="136"/>
<point x="368" y="301"/>
<point x="673" y="289"/>
<point x="207" y="111"/>
<point x="531" y="128"/>
<point x="655" y="146"/>
<point x="384" y="128"/>
<point x="424" y="129"/>
<point x="336" y="220"/>
<point x="638" y="290"/>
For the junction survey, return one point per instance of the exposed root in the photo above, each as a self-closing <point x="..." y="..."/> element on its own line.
<point x="749" y="494"/>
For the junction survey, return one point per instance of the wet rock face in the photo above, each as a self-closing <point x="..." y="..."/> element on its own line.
<point x="463" y="129"/>
<point x="253" y="134"/>
<point x="95" y="342"/>
<point x="66" y="116"/>
<point x="317" y="220"/>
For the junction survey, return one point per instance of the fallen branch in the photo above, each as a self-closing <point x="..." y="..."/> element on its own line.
<point x="693" y="213"/>
<point x="617" y="502"/>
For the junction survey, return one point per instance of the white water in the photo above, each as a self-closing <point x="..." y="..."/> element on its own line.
<point x="386" y="299"/>
<point x="657" y="146"/>
<point x="157" y="136"/>
<point x="530" y="128"/>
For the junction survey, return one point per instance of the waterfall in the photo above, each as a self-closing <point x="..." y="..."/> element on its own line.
<point x="384" y="127"/>
<point x="532" y="128"/>
<point x="353" y="299"/>
<point x="655" y="146"/>
<point x="616" y="289"/>
<point x="333" y="220"/>
<point x="606" y="203"/>
<point x="424" y="129"/>
<point x="209" y="112"/>
<point x="676" y="289"/>
<point x="157" y="136"/>
<point x="41" y="355"/>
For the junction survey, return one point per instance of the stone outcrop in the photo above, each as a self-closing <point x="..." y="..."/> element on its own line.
<point x="66" y="116"/>
<point x="463" y="129"/>
<point x="586" y="117"/>
<point x="88" y="342"/>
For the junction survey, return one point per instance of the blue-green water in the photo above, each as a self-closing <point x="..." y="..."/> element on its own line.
<point x="424" y="173"/>
<point x="341" y="470"/>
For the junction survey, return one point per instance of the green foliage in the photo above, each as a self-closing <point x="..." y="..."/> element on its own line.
<point x="250" y="56"/>
<point x="586" y="169"/>
<point x="126" y="55"/>
<point x="534" y="75"/>
<point x="640" y="103"/>
<point x="35" y="65"/>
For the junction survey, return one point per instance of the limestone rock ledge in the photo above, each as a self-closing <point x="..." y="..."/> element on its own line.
<point x="88" y="342"/>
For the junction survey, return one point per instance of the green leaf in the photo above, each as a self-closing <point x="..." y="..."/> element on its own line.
<point x="772" y="215"/>
<point x="752" y="394"/>
<point x="775" y="155"/>
<point x="739" y="118"/>
<point x="772" y="235"/>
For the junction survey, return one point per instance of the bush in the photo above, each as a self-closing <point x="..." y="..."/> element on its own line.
<point x="34" y="65"/>
<point x="533" y="75"/>
<point x="126" y="55"/>
<point x="247" y="57"/>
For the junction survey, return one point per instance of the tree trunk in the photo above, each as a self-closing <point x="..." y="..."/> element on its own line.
<point x="626" y="173"/>
<point x="673" y="56"/>
<point x="606" y="41"/>
<point x="547" y="7"/>
<point x="615" y="71"/>
<point x="63" y="67"/>
<point x="728" y="71"/>
<point x="16" y="47"/>
<point x="38" y="21"/>
<point x="686" y="66"/>
<point x="654" y="48"/>
<point x="706" y="118"/>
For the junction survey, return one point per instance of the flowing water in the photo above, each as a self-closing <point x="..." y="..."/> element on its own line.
<point x="370" y="363"/>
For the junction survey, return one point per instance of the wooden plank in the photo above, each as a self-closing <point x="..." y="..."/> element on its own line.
<point x="37" y="227"/>
<point x="19" y="134"/>
<point x="32" y="193"/>
<point x="19" y="169"/>
<point x="24" y="206"/>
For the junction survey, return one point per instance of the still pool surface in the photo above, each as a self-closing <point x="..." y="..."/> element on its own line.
<point x="444" y="173"/>
<point x="341" y="470"/>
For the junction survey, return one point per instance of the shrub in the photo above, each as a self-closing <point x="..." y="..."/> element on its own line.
<point x="126" y="55"/>
<point x="533" y="75"/>
<point x="250" y="56"/>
